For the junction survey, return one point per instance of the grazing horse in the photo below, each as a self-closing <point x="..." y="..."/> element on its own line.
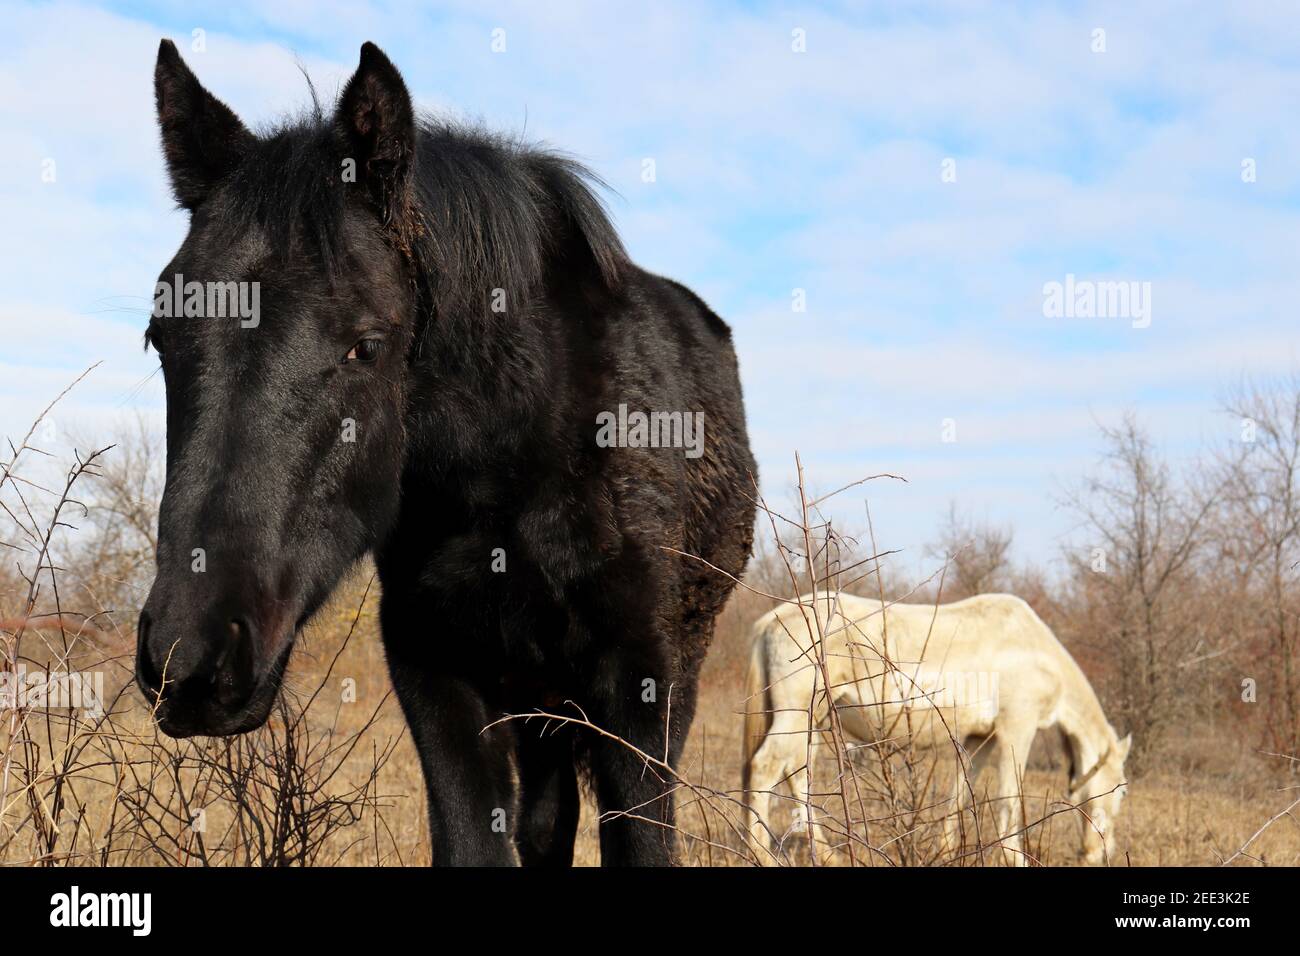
<point x="421" y="335"/>
<point x="985" y="673"/>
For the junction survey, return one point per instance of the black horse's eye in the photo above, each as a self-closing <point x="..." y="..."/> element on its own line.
<point x="367" y="350"/>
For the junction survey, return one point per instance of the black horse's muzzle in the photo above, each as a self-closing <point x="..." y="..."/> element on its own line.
<point x="206" y="679"/>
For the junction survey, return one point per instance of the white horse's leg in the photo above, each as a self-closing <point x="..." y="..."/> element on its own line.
<point x="966" y="775"/>
<point x="773" y="765"/>
<point x="805" y="815"/>
<point x="1014" y="741"/>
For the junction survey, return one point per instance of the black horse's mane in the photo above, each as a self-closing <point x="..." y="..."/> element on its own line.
<point x="497" y="207"/>
<point x="492" y="209"/>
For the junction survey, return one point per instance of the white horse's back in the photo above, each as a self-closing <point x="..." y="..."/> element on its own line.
<point x="966" y="661"/>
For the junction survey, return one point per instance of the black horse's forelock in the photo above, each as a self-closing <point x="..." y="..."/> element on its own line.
<point x="286" y="186"/>
<point x="490" y="209"/>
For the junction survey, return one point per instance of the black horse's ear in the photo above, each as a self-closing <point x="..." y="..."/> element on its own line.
<point x="202" y="138"/>
<point x="376" y="123"/>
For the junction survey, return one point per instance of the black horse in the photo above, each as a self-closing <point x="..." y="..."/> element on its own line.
<point x="451" y="365"/>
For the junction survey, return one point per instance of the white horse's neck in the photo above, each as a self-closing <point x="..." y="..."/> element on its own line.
<point x="1083" y="722"/>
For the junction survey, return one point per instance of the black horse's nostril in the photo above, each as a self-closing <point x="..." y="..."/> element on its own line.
<point x="233" y="677"/>
<point x="147" y="675"/>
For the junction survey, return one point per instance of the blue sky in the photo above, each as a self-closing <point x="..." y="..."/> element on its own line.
<point x="776" y="170"/>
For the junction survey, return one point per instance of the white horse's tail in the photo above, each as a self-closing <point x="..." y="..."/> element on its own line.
<point x="758" y="710"/>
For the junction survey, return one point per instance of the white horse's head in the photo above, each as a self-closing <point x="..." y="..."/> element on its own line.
<point x="1099" y="792"/>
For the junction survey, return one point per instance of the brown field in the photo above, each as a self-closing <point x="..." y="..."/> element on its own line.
<point x="1199" y="808"/>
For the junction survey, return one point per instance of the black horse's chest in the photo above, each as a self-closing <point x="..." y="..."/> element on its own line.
<point x="507" y="609"/>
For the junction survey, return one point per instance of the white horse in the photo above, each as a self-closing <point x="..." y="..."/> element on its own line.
<point x="985" y="672"/>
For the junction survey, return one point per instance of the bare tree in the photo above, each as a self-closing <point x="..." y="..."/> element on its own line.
<point x="1262" y="506"/>
<point x="978" y="555"/>
<point x="1135" y="579"/>
<point x="112" y="559"/>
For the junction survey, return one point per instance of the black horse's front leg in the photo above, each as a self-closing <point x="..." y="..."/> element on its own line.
<point x="467" y="772"/>
<point x="635" y="794"/>
<point x="548" y="799"/>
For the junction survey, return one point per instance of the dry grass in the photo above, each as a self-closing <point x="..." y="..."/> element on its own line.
<point x="1179" y="816"/>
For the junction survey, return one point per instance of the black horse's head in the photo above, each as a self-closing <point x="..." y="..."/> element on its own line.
<point x="283" y="325"/>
